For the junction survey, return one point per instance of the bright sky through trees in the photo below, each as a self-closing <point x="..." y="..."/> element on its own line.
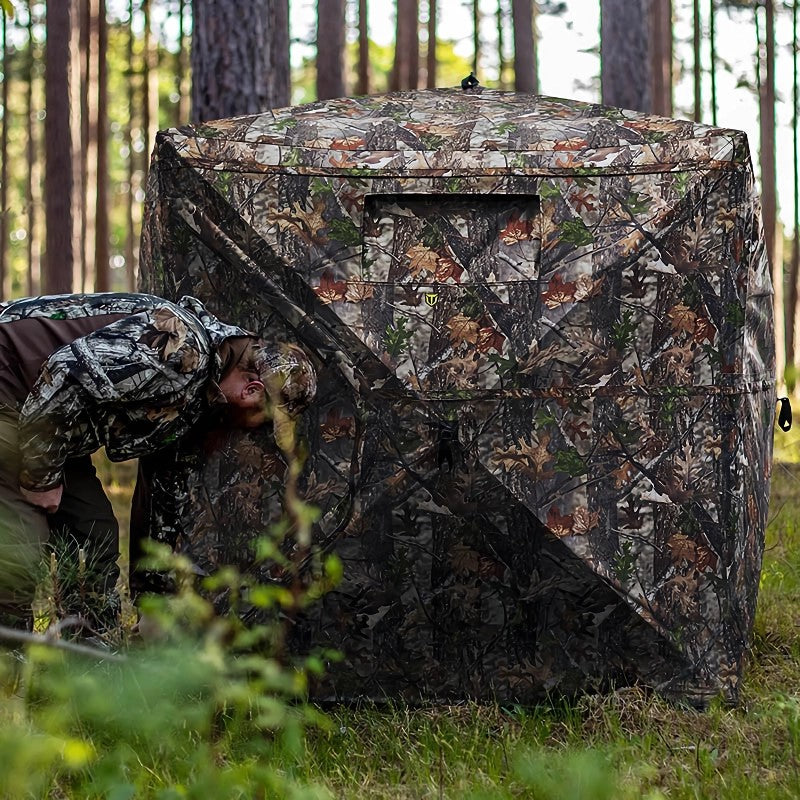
<point x="569" y="60"/>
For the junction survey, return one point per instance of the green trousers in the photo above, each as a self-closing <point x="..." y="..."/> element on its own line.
<point x="84" y="520"/>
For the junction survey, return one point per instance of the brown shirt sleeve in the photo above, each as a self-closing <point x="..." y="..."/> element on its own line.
<point x="25" y="345"/>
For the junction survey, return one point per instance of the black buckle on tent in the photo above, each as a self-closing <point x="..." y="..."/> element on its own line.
<point x="785" y="414"/>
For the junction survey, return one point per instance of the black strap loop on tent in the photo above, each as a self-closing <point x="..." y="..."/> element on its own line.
<point x="785" y="414"/>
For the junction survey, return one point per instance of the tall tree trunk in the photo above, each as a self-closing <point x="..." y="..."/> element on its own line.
<point x="500" y="18"/>
<point x="130" y="228"/>
<point x="149" y="85"/>
<point x="793" y="338"/>
<point x="232" y="57"/>
<point x="330" y="48"/>
<point x="102" y="253"/>
<point x="625" y="62"/>
<point x="78" y="55"/>
<point x="430" y="56"/>
<point x="413" y="44"/>
<point x="32" y="172"/>
<point x="279" y="79"/>
<point x="89" y="273"/>
<point x="766" y="86"/>
<point x="404" y="73"/>
<point x="712" y="41"/>
<point x="58" y="151"/>
<point x="661" y="36"/>
<point x="476" y="36"/>
<point x="697" y="69"/>
<point x="81" y="208"/>
<point x="181" y="71"/>
<point x="525" y="67"/>
<point x="5" y="289"/>
<point x="362" y="80"/>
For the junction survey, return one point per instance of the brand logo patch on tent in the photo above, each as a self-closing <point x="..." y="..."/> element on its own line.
<point x="431" y="298"/>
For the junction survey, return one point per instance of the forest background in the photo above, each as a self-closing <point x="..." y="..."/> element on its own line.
<point x="85" y="86"/>
<point x="87" y="83"/>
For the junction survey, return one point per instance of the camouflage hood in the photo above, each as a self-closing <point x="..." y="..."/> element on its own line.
<point x="542" y="437"/>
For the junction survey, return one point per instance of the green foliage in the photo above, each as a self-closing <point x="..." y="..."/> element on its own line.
<point x="397" y="337"/>
<point x="206" y="702"/>
<point x="571" y="462"/>
<point x="575" y="232"/>
<point x="622" y="331"/>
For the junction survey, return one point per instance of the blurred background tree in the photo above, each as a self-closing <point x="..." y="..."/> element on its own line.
<point x="110" y="73"/>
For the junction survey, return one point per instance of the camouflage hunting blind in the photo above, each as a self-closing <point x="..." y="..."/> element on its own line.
<point x="541" y="444"/>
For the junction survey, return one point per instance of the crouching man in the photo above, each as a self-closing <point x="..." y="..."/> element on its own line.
<point x="133" y="373"/>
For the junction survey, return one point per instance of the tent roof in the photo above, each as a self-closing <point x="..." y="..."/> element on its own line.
<point x="442" y="129"/>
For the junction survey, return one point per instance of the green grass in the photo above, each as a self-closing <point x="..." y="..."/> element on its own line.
<point x="626" y="745"/>
<point x="629" y="744"/>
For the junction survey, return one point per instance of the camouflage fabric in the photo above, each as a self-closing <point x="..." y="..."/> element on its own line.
<point x="132" y="386"/>
<point x="543" y="432"/>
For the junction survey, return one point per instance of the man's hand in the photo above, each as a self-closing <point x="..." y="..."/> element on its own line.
<point x="49" y="500"/>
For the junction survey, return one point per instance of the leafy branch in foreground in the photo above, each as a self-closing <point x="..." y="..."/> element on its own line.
<point x="210" y="706"/>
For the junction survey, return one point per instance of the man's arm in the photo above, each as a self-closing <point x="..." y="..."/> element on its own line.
<point x="54" y="424"/>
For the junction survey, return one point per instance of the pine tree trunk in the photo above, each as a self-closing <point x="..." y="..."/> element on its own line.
<point x="362" y="81"/>
<point x="476" y="37"/>
<point x="330" y="48"/>
<point x="413" y="45"/>
<point x="58" y="152"/>
<point x="149" y="86"/>
<point x="431" y="63"/>
<point x="181" y="71"/>
<point x="501" y="44"/>
<point x="767" y="160"/>
<point x="5" y="289"/>
<point x="712" y="41"/>
<point x="133" y="108"/>
<point x="32" y="172"/>
<point x="697" y="71"/>
<point x="793" y="334"/>
<point x="232" y="57"/>
<point x="81" y="192"/>
<point x="102" y="254"/>
<point x="89" y="273"/>
<point x="525" y="67"/>
<point x="625" y="62"/>
<point x="77" y="87"/>
<point x="661" y="35"/>
<point x="279" y="78"/>
<point x="404" y="73"/>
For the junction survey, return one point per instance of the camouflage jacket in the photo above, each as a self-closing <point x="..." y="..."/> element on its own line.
<point x="133" y="386"/>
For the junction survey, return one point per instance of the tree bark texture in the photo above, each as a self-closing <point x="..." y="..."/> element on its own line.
<point x="102" y="253"/>
<point x="525" y="67"/>
<point x="363" y="71"/>
<point x="234" y="71"/>
<point x="4" y="287"/>
<point x="476" y="37"/>
<point x="58" y="152"/>
<point x="78" y="118"/>
<point x="712" y="67"/>
<point x="330" y="48"/>
<point x="89" y="272"/>
<point x="697" y="68"/>
<point x="32" y="172"/>
<point x="794" y="268"/>
<point x="430" y="56"/>
<point x="766" y="60"/>
<point x="661" y="34"/>
<point x="625" y="56"/>
<point x="404" y="73"/>
<point x="130" y="239"/>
